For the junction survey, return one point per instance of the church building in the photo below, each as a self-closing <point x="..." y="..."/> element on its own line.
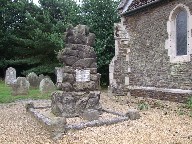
<point x="153" y="50"/>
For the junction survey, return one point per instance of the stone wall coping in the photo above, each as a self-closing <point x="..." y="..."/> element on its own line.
<point x="161" y="89"/>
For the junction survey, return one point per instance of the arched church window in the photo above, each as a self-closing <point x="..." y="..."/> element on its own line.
<point x="181" y="33"/>
<point x="179" y="28"/>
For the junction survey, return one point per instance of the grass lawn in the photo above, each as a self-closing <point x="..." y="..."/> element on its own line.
<point x="6" y="97"/>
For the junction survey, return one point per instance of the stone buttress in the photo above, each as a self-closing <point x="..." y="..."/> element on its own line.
<point x="119" y="68"/>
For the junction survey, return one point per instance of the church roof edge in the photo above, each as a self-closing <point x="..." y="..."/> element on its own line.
<point x="130" y="6"/>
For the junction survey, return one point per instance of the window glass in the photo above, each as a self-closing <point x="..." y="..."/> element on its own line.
<point x="181" y="33"/>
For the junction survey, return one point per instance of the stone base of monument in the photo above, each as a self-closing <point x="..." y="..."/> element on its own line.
<point x="58" y="126"/>
<point x="71" y="104"/>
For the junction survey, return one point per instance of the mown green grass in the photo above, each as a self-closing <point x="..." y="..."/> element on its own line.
<point x="6" y="97"/>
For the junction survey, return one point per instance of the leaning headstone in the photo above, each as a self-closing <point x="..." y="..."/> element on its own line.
<point x="10" y="76"/>
<point x="33" y="80"/>
<point x="46" y="86"/>
<point x="20" y="86"/>
<point x="78" y="80"/>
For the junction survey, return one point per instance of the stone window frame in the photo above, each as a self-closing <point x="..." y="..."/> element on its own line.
<point x="171" y="41"/>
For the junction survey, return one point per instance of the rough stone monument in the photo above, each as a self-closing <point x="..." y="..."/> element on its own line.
<point x="10" y="76"/>
<point x="78" y="92"/>
<point x="46" y="86"/>
<point x="78" y="79"/>
<point x="20" y="86"/>
<point x="33" y="80"/>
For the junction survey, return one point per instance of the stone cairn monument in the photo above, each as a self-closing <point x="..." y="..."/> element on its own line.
<point x="78" y="89"/>
<point x="78" y="83"/>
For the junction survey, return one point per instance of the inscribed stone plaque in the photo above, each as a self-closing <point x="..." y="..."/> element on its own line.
<point x="82" y="75"/>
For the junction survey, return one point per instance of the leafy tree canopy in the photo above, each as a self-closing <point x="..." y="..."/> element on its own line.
<point x="31" y="35"/>
<point x="101" y="15"/>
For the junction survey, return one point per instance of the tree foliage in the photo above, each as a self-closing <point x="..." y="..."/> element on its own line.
<point x="101" y="15"/>
<point x="31" y="35"/>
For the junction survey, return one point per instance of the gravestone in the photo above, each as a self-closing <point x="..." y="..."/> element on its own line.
<point x="59" y="74"/>
<point x="46" y="86"/>
<point x="33" y="80"/>
<point x="10" y="76"/>
<point x="41" y="77"/>
<point x="78" y="80"/>
<point x="20" y="86"/>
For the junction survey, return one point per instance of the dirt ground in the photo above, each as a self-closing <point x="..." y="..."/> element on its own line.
<point x="161" y="122"/>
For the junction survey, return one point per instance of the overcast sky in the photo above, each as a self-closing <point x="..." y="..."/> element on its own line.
<point x="35" y="1"/>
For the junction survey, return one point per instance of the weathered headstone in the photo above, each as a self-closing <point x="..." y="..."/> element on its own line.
<point x="10" y="76"/>
<point x="20" y="86"/>
<point x="98" y="82"/>
<point x="59" y="74"/>
<point x="33" y="80"/>
<point x="78" y="79"/>
<point x="41" y="77"/>
<point x="46" y="86"/>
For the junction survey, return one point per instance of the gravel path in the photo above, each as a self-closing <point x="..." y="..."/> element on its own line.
<point x="156" y="126"/>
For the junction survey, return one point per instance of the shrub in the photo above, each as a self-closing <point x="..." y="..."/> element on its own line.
<point x="189" y="103"/>
<point x="190" y="113"/>
<point x="181" y="112"/>
<point x="143" y="106"/>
